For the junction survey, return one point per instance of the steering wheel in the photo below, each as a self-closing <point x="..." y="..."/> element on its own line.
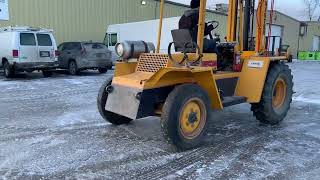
<point x="215" y="24"/>
<point x="192" y="45"/>
<point x="210" y="26"/>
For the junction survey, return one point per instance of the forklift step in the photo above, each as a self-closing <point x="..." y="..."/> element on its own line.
<point x="233" y="100"/>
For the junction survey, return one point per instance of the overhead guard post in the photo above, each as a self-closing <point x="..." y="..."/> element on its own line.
<point x="201" y="25"/>
<point x="160" y="25"/>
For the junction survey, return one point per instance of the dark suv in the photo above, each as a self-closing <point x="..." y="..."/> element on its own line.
<point x="77" y="56"/>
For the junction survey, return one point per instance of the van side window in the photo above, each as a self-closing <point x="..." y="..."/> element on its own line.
<point x="44" y="40"/>
<point x="27" y="39"/>
<point x="113" y="39"/>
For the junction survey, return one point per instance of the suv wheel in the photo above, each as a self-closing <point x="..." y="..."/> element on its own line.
<point x="73" y="68"/>
<point x="47" y="73"/>
<point x="8" y="71"/>
<point x="102" y="70"/>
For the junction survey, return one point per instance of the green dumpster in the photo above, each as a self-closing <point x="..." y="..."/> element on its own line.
<point x="311" y="56"/>
<point x="302" y="55"/>
<point x="317" y="55"/>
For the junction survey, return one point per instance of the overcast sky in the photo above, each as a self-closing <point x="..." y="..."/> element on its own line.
<point x="294" y="8"/>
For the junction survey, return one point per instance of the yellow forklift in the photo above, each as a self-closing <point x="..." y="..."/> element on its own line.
<point x="186" y="86"/>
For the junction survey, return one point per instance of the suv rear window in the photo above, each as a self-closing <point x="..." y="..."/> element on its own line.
<point x="27" y="39"/>
<point x="71" y="46"/>
<point x="95" y="45"/>
<point x="44" y="40"/>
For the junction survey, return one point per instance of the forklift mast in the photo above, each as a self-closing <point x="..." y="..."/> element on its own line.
<point x="241" y="10"/>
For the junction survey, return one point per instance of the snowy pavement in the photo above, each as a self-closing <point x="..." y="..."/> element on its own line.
<point x="50" y="129"/>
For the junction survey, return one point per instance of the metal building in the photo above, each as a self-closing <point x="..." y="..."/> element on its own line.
<point x="76" y="20"/>
<point x="84" y="19"/>
<point x="310" y="36"/>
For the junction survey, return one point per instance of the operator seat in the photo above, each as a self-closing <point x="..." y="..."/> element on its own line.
<point x="182" y="36"/>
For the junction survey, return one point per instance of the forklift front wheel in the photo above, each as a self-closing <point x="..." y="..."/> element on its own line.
<point x="185" y="116"/>
<point x="101" y="102"/>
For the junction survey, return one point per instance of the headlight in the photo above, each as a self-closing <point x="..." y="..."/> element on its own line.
<point x="120" y="49"/>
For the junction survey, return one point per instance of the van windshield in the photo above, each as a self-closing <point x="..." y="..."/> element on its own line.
<point x="111" y="39"/>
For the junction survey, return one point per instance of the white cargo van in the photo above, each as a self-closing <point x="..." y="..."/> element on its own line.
<point x="28" y="49"/>
<point x="133" y="32"/>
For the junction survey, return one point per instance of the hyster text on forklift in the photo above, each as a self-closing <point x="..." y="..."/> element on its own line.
<point x="185" y="86"/>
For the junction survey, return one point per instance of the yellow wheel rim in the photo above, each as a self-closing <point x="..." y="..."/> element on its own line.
<point x="193" y="118"/>
<point x="279" y="93"/>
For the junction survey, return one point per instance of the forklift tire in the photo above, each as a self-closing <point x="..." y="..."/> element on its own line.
<point x="277" y="95"/>
<point x="47" y="73"/>
<point x="8" y="71"/>
<point x="185" y="116"/>
<point x="107" y="115"/>
<point x="102" y="70"/>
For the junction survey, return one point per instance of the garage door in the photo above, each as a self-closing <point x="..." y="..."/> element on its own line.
<point x="275" y="31"/>
<point x="316" y="43"/>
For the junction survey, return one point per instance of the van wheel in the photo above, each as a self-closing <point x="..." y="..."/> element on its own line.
<point x="102" y="70"/>
<point x="73" y="68"/>
<point x="101" y="102"/>
<point x="8" y="71"/>
<point x="47" y="73"/>
<point x="110" y="67"/>
<point x="277" y="95"/>
<point x="185" y="116"/>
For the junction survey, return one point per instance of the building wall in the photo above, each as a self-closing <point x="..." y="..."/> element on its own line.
<point x="291" y="29"/>
<point x="306" y="41"/>
<point x="75" y="20"/>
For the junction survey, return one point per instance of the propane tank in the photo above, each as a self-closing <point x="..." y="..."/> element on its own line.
<point x="133" y="49"/>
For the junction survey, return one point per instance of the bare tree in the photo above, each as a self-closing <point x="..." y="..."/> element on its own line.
<point x="311" y="6"/>
<point x="319" y="13"/>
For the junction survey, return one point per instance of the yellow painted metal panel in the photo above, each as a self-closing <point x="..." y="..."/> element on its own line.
<point x="252" y="79"/>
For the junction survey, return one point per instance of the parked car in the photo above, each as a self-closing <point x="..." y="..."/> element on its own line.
<point x="27" y="49"/>
<point x="77" y="56"/>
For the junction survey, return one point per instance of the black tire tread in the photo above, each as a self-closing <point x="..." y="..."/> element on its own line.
<point x="101" y="102"/>
<point x="76" y="70"/>
<point x="11" y="70"/>
<point x="263" y="111"/>
<point x="102" y="70"/>
<point x="170" y="119"/>
<point x="47" y="73"/>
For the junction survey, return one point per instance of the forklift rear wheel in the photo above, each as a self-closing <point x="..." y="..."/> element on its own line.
<point x="185" y="116"/>
<point x="277" y="95"/>
<point x="107" y="115"/>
